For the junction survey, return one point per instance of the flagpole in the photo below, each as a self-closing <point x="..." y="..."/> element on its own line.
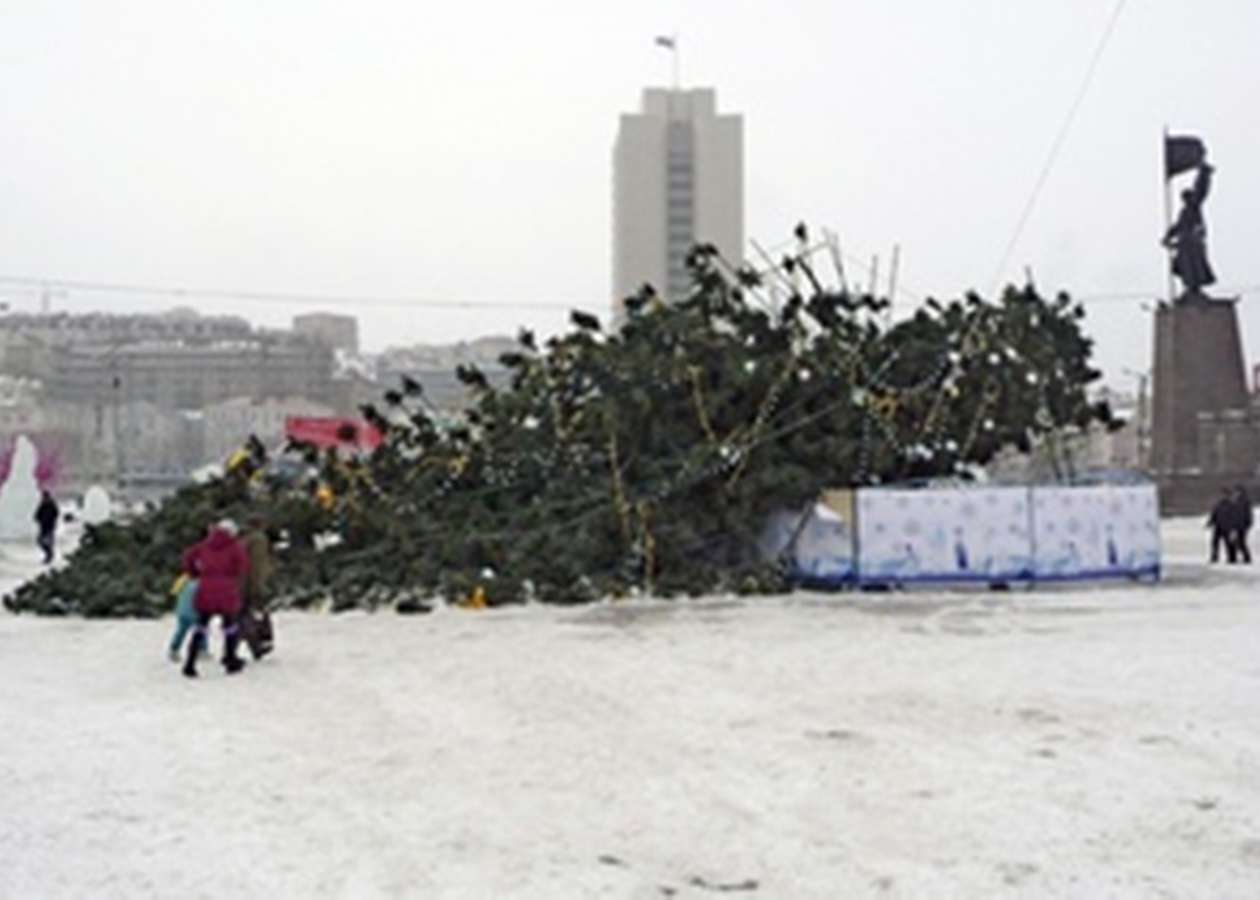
<point x="670" y="43"/>
<point x="677" y="55"/>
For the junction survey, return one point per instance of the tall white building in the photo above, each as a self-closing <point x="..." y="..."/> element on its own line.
<point x="678" y="180"/>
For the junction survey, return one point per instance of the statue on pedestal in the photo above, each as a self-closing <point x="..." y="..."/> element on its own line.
<point x="1187" y="235"/>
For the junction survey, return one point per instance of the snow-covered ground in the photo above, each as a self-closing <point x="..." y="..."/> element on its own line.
<point x="1067" y="742"/>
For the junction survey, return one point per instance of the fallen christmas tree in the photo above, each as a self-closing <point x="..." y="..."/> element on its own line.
<point x="644" y="460"/>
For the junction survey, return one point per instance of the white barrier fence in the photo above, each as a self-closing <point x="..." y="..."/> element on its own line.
<point x="895" y="536"/>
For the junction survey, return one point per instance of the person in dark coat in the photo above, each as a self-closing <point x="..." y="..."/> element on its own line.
<point x="1221" y="523"/>
<point x="47" y="514"/>
<point x="219" y="563"/>
<point x="255" y="622"/>
<point x="1242" y="520"/>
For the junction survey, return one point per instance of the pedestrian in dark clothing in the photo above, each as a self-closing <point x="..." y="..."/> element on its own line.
<point x="47" y="514"/>
<point x="255" y="622"/>
<point x="1242" y="520"/>
<point x="1221" y="523"/>
<point x="219" y="563"/>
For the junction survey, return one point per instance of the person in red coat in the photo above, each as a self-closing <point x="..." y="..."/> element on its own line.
<point x="219" y="562"/>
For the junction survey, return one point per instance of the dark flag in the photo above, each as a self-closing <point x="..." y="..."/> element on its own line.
<point x="1182" y="153"/>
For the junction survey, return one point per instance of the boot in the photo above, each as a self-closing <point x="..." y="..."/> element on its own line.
<point x="232" y="663"/>
<point x="190" y="661"/>
<point x="249" y="632"/>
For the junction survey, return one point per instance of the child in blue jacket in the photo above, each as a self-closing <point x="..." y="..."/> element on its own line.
<point x="185" y="590"/>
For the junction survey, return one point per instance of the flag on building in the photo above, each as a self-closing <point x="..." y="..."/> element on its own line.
<point x="1182" y="153"/>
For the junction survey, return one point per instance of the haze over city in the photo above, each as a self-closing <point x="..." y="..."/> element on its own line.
<point x="444" y="173"/>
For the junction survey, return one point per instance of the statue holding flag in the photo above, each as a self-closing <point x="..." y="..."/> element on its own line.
<point x="1187" y="235"/>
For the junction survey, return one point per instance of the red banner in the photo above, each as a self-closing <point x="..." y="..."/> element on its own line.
<point x="332" y="431"/>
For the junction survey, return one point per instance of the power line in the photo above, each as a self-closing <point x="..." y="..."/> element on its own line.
<point x="1154" y="295"/>
<point x="184" y="293"/>
<point x="40" y="286"/>
<point x="1058" y="144"/>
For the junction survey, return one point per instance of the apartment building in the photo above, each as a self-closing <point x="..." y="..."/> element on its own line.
<point x="678" y="181"/>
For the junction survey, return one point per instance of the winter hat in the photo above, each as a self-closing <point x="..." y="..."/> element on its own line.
<point x="229" y="526"/>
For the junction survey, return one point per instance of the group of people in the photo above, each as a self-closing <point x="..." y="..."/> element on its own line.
<point x="225" y="574"/>
<point x="1229" y="523"/>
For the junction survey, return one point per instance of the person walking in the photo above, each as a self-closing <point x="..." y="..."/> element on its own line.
<point x="47" y="515"/>
<point x="256" y="625"/>
<point x="1220" y="523"/>
<point x="219" y="563"/>
<point x="185" y="591"/>
<point x="1242" y="519"/>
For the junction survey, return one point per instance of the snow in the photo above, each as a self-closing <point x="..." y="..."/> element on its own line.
<point x="1092" y="741"/>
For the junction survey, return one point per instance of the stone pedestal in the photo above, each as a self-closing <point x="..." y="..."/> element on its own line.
<point x="1199" y="381"/>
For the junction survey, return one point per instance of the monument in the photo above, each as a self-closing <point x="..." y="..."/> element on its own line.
<point x="1203" y="435"/>
<point x="1187" y="236"/>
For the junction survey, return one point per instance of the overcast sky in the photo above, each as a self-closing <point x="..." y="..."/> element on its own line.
<point x="451" y="163"/>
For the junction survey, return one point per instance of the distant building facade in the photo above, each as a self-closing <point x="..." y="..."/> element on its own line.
<point x="678" y="181"/>
<point x="336" y="331"/>
<point x="433" y="367"/>
<point x="131" y="399"/>
<point x="177" y="375"/>
<point x="29" y="342"/>
<point x="141" y="401"/>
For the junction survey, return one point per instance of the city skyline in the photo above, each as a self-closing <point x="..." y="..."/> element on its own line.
<point x="447" y="175"/>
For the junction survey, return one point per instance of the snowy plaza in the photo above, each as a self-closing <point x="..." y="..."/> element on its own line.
<point x="1096" y="740"/>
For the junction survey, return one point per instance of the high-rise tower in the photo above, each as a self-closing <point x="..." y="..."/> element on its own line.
<point x="678" y="180"/>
